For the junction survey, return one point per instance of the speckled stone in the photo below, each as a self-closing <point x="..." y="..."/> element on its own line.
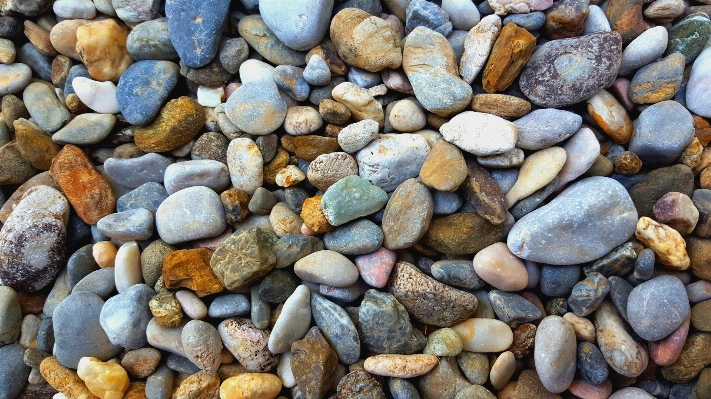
<point x="385" y="325"/>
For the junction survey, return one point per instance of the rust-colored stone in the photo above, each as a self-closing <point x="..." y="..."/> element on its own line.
<point x="503" y="105"/>
<point x="178" y="122"/>
<point x="86" y="189"/>
<point x="510" y="53"/>
<point x="313" y="363"/>
<point x="313" y="215"/>
<point x="628" y="163"/>
<point x="523" y="339"/>
<point x="462" y="234"/>
<point x="482" y="191"/>
<point x="702" y="130"/>
<point x="626" y="18"/>
<point x="566" y="18"/>
<point x="190" y="268"/>
<point x="309" y="147"/>
<point x="136" y="390"/>
<point x="235" y="202"/>
<point x="34" y="144"/>
<point x="280" y="160"/>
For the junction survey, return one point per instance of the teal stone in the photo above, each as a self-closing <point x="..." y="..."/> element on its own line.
<point x="350" y="198"/>
<point x="689" y="36"/>
<point x="258" y="35"/>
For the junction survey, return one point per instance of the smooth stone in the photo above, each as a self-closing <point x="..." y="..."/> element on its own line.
<point x="657" y="307"/>
<point x="208" y="173"/>
<point x="658" y="81"/>
<point x="621" y="351"/>
<point x="14" y="78"/>
<point x="253" y="29"/>
<point x="539" y="169"/>
<point x="600" y="195"/>
<point x="591" y="364"/>
<point x="85" y="129"/>
<point x="256" y="107"/>
<point x="677" y="211"/>
<point x="513" y="309"/>
<point x="429" y="15"/>
<point x="645" y="193"/>
<point x="301" y="34"/>
<point x="587" y="294"/>
<point x="479" y="133"/>
<point x="536" y="130"/>
<point x="175" y="226"/>
<point x="192" y="305"/>
<point x="477" y="46"/>
<point x="101" y="282"/>
<point x="564" y="72"/>
<point x="385" y="325"/>
<point x="484" y="335"/>
<point x="446" y="203"/>
<point x="359" y="385"/>
<point x="581" y="152"/>
<point x="148" y="196"/>
<point x="444" y="381"/>
<point x="13" y="372"/>
<point x="400" y="366"/>
<point x="248" y="344"/>
<point x="558" y="281"/>
<point x="327" y="267"/>
<point x="11" y="315"/>
<point x="631" y="393"/>
<point x="689" y="36"/>
<point x="462" y="233"/>
<point x="356" y="238"/>
<point x="38" y="62"/>
<point x="124" y="317"/>
<point x="229" y="305"/>
<point x="360" y="102"/>
<point x="44" y="107"/>
<point x="696" y="99"/>
<point x="457" y="273"/>
<point x="293" y="321"/>
<point x="497" y="266"/>
<point x="150" y="40"/>
<point x="134" y="224"/>
<point x="337" y="327"/>
<point x="251" y="385"/>
<point x="135" y="172"/>
<point x="406" y="153"/>
<point x="350" y="198"/>
<point x="484" y="194"/>
<point x="290" y="248"/>
<point x="555" y="353"/>
<point x="407" y="215"/>
<point x="357" y="135"/>
<point x="194" y="27"/>
<point x="144" y="87"/>
<point x="463" y="14"/>
<point x="97" y="95"/>
<point x="644" y="49"/>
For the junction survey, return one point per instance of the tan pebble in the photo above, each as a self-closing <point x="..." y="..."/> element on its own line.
<point x="359" y="102"/>
<point x="400" y="366"/>
<point x="628" y="163"/>
<point x="497" y="266"/>
<point x="64" y="37"/>
<point x="251" y="386"/>
<point x="200" y="385"/>
<point x="704" y="161"/>
<point x="104" y="253"/>
<point x="691" y="156"/>
<point x="302" y="120"/>
<point x="584" y="328"/>
<point x="289" y="176"/>
<point x="284" y="221"/>
<point x="508" y="391"/>
<point x="667" y="244"/>
<point x="484" y="335"/>
<point x="503" y="369"/>
<point x="444" y="168"/>
<point x="102" y="48"/>
<point x="107" y="380"/>
<point x="539" y="169"/>
<point x="64" y="380"/>
<point x="502" y="105"/>
<point x="407" y="116"/>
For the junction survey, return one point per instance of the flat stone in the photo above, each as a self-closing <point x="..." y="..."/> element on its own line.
<point x="457" y="273"/>
<point x="243" y="258"/>
<point x="229" y="305"/>
<point x="658" y="81"/>
<point x="350" y="198"/>
<point x="480" y="134"/>
<point x="644" y="49"/>
<point x="205" y="219"/>
<point x="14" y="77"/>
<point x="578" y="250"/>
<point x="131" y="225"/>
<point x="391" y="159"/>
<point x="256" y="32"/>
<point x="44" y="107"/>
<point x="327" y="267"/>
<point x="513" y="309"/>
<point x="536" y="130"/>
<point x="497" y="266"/>
<point x="148" y="196"/>
<point x="385" y="325"/>
<point x="512" y="50"/>
<point x="143" y="88"/>
<point x="356" y="238"/>
<point x="462" y="233"/>
<point x="256" y="107"/>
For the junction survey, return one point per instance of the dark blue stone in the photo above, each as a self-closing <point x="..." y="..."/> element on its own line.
<point x="512" y="308"/>
<point x="644" y="266"/>
<point x="628" y="181"/>
<point x="402" y="389"/>
<point x="78" y="232"/>
<point x="278" y="285"/>
<point x="76" y="71"/>
<point x="38" y="62"/>
<point x="80" y="264"/>
<point x="591" y="364"/>
<point x="658" y="388"/>
<point x="195" y="28"/>
<point x="45" y="335"/>
<point x="149" y="196"/>
<point x="619" y="292"/>
<point x="181" y="364"/>
<point x="683" y="391"/>
<point x="295" y="197"/>
<point x="558" y="281"/>
<point x="143" y="88"/>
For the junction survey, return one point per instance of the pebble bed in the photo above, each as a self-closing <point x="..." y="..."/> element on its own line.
<point x="358" y="199"/>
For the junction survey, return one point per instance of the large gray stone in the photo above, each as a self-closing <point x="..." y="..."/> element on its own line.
<point x="662" y="131"/>
<point x="124" y="317"/>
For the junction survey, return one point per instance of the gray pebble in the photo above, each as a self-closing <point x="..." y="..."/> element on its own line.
<point x="134" y="172"/>
<point x="125" y="316"/>
<point x="231" y="305"/>
<point x="132" y="225"/>
<point x="100" y="282"/>
<point x="513" y="309"/>
<point x="148" y="196"/>
<point x="356" y="238"/>
<point x="13" y="371"/>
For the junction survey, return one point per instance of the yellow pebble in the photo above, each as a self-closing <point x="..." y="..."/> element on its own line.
<point x="104" y="253"/>
<point x="107" y="380"/>
<point x="251" y="386"/>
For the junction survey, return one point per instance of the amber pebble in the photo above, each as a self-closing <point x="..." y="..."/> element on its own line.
<point x="628" y="163"/>
<point x="190" y="268"/>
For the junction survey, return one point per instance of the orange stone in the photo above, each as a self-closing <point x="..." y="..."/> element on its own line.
<point x="190" y="268"/>
<point x="313" y="215"/>
<point x="34" y="144"/>
<point x="626" y="18"/>
<point x="628" y="163"/>
<point x="178" y="122"/>
<point x="86" y="189"/>
<point x="64" y="380"/>
<point x="309" y="147"/>
<point x="702" y="130"/>
<point x="280" y="160"/>
<point x="102" y="48"/>
<point x="510" y="53"/>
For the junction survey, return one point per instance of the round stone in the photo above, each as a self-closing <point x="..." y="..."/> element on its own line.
<point x="190" y="214"/>
<point x="657" y="307"/>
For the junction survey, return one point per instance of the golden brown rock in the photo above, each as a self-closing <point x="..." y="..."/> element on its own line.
<point x="484" y="193"/>
<point x="39" y="36"/>
<point x="334" y="112"/>
<point x="699" y="251"/>
<point x="177" y="123"/>
<point x="64" y="379"/>
<point x="34" y="144"/>
<point x="628" y="163"/>
<point x="444" y="168"/>
<point x="201" y="385"/>
<point x="693" y="358"/>
<point x="705" y="178"/>
<point x="309" y="147"/>
<point x="360" y="102"/>
<point x="14" y="169"/>
<point x="313" y="364"/>
<point x="251" y="386"/>
<point x="511" y="51"/>
<point x="461" y="234"/>
<point x="166" y="309"/>
<point x="64" y="37"/>
<point x="60" y="70"/>
<point x="502" y="105"/>
<point x="280" y="160"/>
<point x="702" y="130"/>
<point x="691" y="156"/>
<point x="235" y="202"/>
<point x="365" y="41"/>
<point x="102" y="48"/>
<point x="86" y="189"/>
<point x="313" y="215"/>
<point x="524" y="337"/>
<point x="107" y="380"/>
<point x="611" y="116"/>
<point x="190" y="268"/>
<point x="136" y="390"/>
<point x="668" y="245"/>
<point x="530" y="386"/>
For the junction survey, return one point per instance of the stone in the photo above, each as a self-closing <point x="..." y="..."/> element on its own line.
<point x="327" y="169"/>
<point x="503" y="105"/>
<point x="243" y="258"/>
<point x="85" y="129"/>
<point x="700" y="74"/>
<point x="462" y="233"/>
<point x="444" y="381"/>
<point x="621" y="224"/>
<point x="103" y="379"/>
<point x="14" y="78"/>
<point x="201" y="385"/>
<point x="202" y="345"/>
<point x="443" y="342"/>
<point x="626" y="18"/>
<point x="194" y="29"/>
<point x="611" y="116"/>
<point x="326" y="267"/>
<point x="258" y="35"/>
<point x="477" y="46"/>
<point x="124" y="317"/>
<point x="677" y="211"/>
<point x="400" y="366"/>
<point x="391" y="159"/>
<point x="304" y="35"/>
<point x="510" y="53"/>
<point x="676" y="178"/>
<point x="658" y="81"/>
<point x="428" y="61"/>
<point x="251" y="385"/>
<point x="150" y="40"/>
<point x="411" y="287"/>
<point x="15" y="169"/>
<point x="444" y="168"/>
<point x="644" y="49"/>
<point x="407" y="116"/>
<point x="359" y="385"/>
<point x="143" y="88"/>
<point x="87" y="190"/>
<point x="256" y="107"/>
<point x="497" y="266"/>
<point x="587" y="294"/>
<point x="621" y="351"/>
<point x="365" y="41"/>
<point x="407" y="215"/>
<point x="98" y="96"/>
<point x="313" y="349"/>
<point x="667" y="244"/>
<point x="483" y="193"/>
<point x="11" y="313"/>
<point x="653" y="149"/>
<point x="547" y="80"/>
<point x="337" y="327"/>
<point x="14" y="372"/>
<point x="385" y="325"/>
<point x="693" y="358"/>
<point x="360" y="103"/>
<point x="356" y="238"/>
<point x="102" y="48"/>
<point x="503" y="7"/>
<point x="45" y="108"/>
<point x="136" y="172"/>
<point x="350" y="198"/>
<point x="190" y="268"/>
<point x="207" y="219"/>
<point x="539" y="169"/>
<point x="480" y="134"/>
<point x="689" y="36"/>
<point x="357" y="135"/>
<point x="176" y="124"/>
<point x="555" y="353"/>
<point x="134" y="224"/>
<point x="657" y="307"/>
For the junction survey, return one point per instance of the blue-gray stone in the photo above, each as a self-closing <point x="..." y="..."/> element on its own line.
<point x="485" y="9"/>
<point x="231" y="305"/>
<point x="512" y="308"/>
<point x="456" y="41"/>
<point x="45" y="335"/>
<point x="344" y="294"/>
<point x="619" y="292"/>
<point x="657" y="307"/>
<point x="257" y="107"/>
<point x="260" y="313"/>
<point x="402" y="388"/>
<point x="13" y="371"/>
<point x="683" y="391"/>
<point x="295" y="197"/>
<point x="80" y="264"/>
<point x="644" y="265"/>
<point x="132" y="225"/>
<point x="278" y="285"/>
<point x="318" y="94"/>
<point x="429" y="15"/>
<point x="528" y="204"/>
<point x="253" y="29"/>
<point x="291" y="80"/>
<point x="262" y="202"/>
<point x="588" y="294"/>
<point x="195" y="28"/>
<point x="300" y="24"/>
<point x="78" y="332"/>
<point x="661" y="132"/>
<point x="373" y="7"/>
<point x="457" y="273"/>
<point x="658" y="388"/>
<point x="446" y="203"/>
<point x="534" y="274"/>
<point x="134" y="172"/>
<point x="531" y="21"/>
<point x="558" y="281"/>
<point x="291" y="248"/>
<point x="76" y="71"/>
<point x="350" y="198"/>
<point x="484" y="308"/>
<point x="233" y="53"/>
<point x="181" y="364"/>
<point x="385" y="325"/>
<point x="143" y="88"/>
<point x="159" y="385"/>
<point x="356" y="238"/>
<point x="581" y="224"/>
<point x="150" y="40"/>
<point x="317" y="72"/>
<point x="125" y="316"/>
<point x="38" y="62"/>
<point x="506" y="178"/>
<point x="100" y="282"/>
<point x="337" y="327"/>
<point x="628" y="181"/>
<point x="363" y="78"/>
<point x="545" y="127"/>
<point x="148" y="196"/>
<point x="85" y="129"/>
<point x="591" y="364"/>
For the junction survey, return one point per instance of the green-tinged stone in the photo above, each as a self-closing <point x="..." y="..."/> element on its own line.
<point x="243" y="258"/>
<point x="689" y="36"/>
<point x="350" y="198"/>
<point x="619" y="262"/>
<point x="658" y="81"/>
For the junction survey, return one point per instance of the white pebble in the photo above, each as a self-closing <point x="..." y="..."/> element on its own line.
<point x="128" y="266"/>
<point x="99" y="96"/>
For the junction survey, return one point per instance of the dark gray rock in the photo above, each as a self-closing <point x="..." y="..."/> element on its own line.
<point x="619" y="293"/>
<point x="150" y="40"/>
<point x="591" y="364"/>
<point x="148" y="196"/>
<point x="457" y="273"/>
<point x="385" y="325"/>
<point x="80" y="264"/>
<point x="278" y="285"/>
<point x="337" y="327"/>
<point x="427" y="14"/>
<point x="588" y="294"/>
<point x="13" y="371"/>
<point x="512" y="308"/>
<point x="291" y="248"/>
<point x="356" y="238"/>
<point x="558" y="281"/>
<point x="195" y="28"/>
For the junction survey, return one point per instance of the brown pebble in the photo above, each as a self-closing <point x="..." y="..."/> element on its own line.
<point x="699" y="251"/>
<point x="313" y="216"/>
<point x="190" y="268"/>
<point x="39" y="36"/>
<point x="34" y="144"/>
<point x="530" y="386"/>
<point x="280" y="160"/>
<point x="502" y="105"/>
<point x="178" y="122"/>
<point x="309" y="147"/>
<point x="511" y="51"/>
<point x="702" y="130"/>
<point x="313" y="363"/>
<point x="693" y="358"/>
<point x="201" y="385"/>
<point x="628" y="163"/>
<point x="86" y="189"/>
<point x="235" y="202"/>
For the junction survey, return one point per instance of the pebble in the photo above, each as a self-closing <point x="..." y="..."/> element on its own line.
<point x="406" y="153"/>
<point x="103" y="379"/>
<point x="85" y="129"/>
<point x="511" y="51"/>
<point x="443" y="342"/>
<point x="484" y="335"/>
<point x="251" y="385"/>
<point x="631" y="393"/>
<point x="497" y="266"/>
<point x="293" y="322"/>
<point x="657" y="307"/>
<point x="135" y="172"/>
<point x="539" y="169"/>
<point x="194" y="27"/>
<point x="356" y="238"/>
<point x="658" y="81"/>
<point x="134" y="224"/>
<point x="513" y="309"/>
<point x="591" y="364"/>
<point x="406" y="116"/>
<point x="621" y="351"/>
<point x="124" y="317"/>
<point x="611" y="116"/>
<point x="248" y="106"/>
<point x="689" y="36"/>
<point x="248" y="344"/>
<point x="317" y="71"/>
<point x="93" y="41"/>
<point x="150" y="40"/>
<point x="206" y="221"/>
<point x="229" y="305"/>
<point x="668" y="245"/>
<point x="141" y="363"/>
<point x="444" y="381"/>
<point x="592" y="59"/>
<point x="644" y="49"/>
<point x="202" y="345"/>
<point x="208" y="173"/>
<point x="587" y="294"/>
<point x="337" y="328"/>
<point x="15" y="78"/>
<point x="357" y="135"/>
<point x="245" y="164"/>
<point x="677" y="211"/>
<point x="407" y="215"/>
<point x="143" y="88"/>
<point x="400" y="366"/>
<point x="13" y="372"/>
<point x="101" y="282"/>
<point x="385" y="325"/>
<point x="44" y="107"/>
<point x="326" y="267"/>
<point x="361" y="104"/>
<point x="479" y="133"/>
<point x="11" y="313"/>
<point x="700" y="74"/>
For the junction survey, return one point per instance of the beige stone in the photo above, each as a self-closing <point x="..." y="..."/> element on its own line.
<point x="484" y="335"/>
<point x="251" y="386"/>
<point x="668" y="245"/>
<point x="400" y="366"/>
<point x="107" y="380"/>
<point x="64" y="37"/>
<point x="497" y="266"/>
<point x="584" y="328"/>
<point x="102" y="48"/>
<point x="444" y="168"/>
<point x="104" y="253"/>
<point x="359" y="102"/>
<point x="539" y="169"/>
<point x="611" y="116"/>
<point x="502" y="370"/>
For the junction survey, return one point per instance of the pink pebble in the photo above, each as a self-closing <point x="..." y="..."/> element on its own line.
<point x="375" y="267"/>
<point x="395" y="79"/>
<point x="305" y="230"/>
<point x="667" y="350"/>
<point x="230" y="89"/>
<point x="586" y="390"/>
<point x="621" y="89"/>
